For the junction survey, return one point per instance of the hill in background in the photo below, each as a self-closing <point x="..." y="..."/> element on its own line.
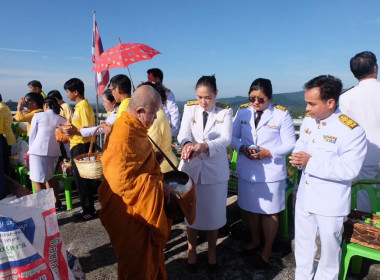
<point x="293" y="101"/>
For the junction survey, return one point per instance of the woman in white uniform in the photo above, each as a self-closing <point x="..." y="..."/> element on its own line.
<point x="262" y="174"/>
<point x="204" y="135"/>
<point x="43" y="147"/>
<point x="111" y="106"/>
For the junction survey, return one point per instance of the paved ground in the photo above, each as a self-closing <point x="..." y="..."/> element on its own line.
<point x="90" y="243"/>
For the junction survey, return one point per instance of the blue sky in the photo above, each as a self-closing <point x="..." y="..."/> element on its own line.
<point x="288" y="42"/>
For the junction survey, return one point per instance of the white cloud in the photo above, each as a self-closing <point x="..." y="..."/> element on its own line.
<point x="18" y="50"/>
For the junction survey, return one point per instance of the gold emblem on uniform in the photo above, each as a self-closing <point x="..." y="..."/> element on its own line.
<point x="324" y="123"/>
<point x="246" y="105"/>
<point x="218" y="121"/>
<point x="329" y="139"/>
<point x="221" y="105"/>
<point x="192" y="102"/>
<point x="193" y="121"/>
<point x="282" y="108"/>
<point x="347" y="121"/>
<point x="307" y="131"/>
<point x="271" y="126"/>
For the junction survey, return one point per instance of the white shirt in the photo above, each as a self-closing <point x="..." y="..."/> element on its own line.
<point x="172" y="112"/>
<point x="337" y="153"/>
<point x="361" y="104"/>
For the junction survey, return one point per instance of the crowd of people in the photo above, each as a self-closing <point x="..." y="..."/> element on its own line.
<point x="337" y="135"/>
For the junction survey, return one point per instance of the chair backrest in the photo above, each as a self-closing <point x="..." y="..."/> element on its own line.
<point x="233" y="161"/>
<point x="369" y="186"/>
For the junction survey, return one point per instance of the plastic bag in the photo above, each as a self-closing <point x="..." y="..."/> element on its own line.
<point x="19" y="149"/>
<point x="31" y="246"/>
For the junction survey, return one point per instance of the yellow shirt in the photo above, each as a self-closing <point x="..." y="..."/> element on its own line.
<point x="66" y="112"/>
<point x="83" y="117"/>
<point x="123" y="107"/>
<point x="20" y="117"/>
<point x="43" y="94"/>
<point x="161" y="134"/>
<point x="7" y="120"/>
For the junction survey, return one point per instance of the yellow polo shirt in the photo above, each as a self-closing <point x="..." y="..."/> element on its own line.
<point x="7" y="120"/>
<point x="123" y="107"/>
<point x="20" y="117"/>
<point x="83" y="117"/>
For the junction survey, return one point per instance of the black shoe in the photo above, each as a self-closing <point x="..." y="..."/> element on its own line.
<point x="192" y="267"/>
<point x="260" y="264"/>
<point x="212" y="268"/>
<point x="82" y="216"/>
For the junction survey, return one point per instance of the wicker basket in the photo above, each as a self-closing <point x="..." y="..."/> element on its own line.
<point x="90" y="169"/>
<point x="365" y="235"/>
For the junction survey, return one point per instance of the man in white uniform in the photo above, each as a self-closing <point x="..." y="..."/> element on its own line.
<point x="330" y="152"/>
<point x="362" y="104"/>
<point x="170" y="108"/>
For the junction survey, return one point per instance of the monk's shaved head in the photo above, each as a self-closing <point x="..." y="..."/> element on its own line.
<point x="144" y="96"/>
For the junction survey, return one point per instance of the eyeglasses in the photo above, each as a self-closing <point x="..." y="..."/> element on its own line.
<point x="254" y="98"/>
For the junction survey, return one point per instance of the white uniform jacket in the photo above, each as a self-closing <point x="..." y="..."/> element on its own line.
<point x="42" y="141"/>
<point x="275" y="132"/>
<point x="361" y="103"/>
<point x="89" y="131"/>
<point x="172" y="112"/>
<point x="337" y="146"/>
<point x="214" y="167"/>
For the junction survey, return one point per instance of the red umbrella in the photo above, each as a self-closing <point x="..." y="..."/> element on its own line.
<point x="123" y="55"/>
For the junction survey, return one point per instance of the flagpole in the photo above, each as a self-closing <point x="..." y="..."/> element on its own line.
<point x="96" y="88"/>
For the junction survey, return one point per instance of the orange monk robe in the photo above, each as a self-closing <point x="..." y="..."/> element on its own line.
<point x="132" y="201"/>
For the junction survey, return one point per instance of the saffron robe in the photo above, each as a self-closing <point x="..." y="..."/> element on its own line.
<point x="132" y="201"/>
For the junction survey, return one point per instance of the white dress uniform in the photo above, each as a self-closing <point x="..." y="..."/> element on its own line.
<point x="43" y="147"/>
<point x="337" y="146"/>
<point x="89" y="131"/>
<point x="172" y="112"/>
<point x="210" y="172"/>
<point x="361" y="103"/>
<point x="262" y="183"/>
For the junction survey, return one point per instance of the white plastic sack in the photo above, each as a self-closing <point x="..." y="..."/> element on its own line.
<point x="31" y="246"/>
<point x="20" y="148"/>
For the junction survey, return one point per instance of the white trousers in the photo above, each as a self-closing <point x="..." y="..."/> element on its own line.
<point x="308" y="227"/>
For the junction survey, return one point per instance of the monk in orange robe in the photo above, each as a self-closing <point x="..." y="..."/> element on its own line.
<point x="132" y="193"/>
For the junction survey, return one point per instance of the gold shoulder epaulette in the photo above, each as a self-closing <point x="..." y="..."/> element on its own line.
<point x="346" y="90"/>
<point x="221" y="105"/>
<point x="192" y="102"/>
<point x="347" y="121"/>
<point x="282" y="108"/>
<point x="245" y="105"/>
<point x="307" y="115"/>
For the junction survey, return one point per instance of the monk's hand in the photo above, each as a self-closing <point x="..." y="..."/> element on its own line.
<point x="262" y="154"/>
<point x="187" y="151"/>
<point x="299" y="159"/>
<point x="159" y="157"/>
<point x="243" y="149"/>
<point x="19" y="104"/>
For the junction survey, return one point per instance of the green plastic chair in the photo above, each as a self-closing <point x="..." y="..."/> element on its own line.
<point x="16" y="172"/>
<point x="66" y="180"/>
<point x="355" y="251"/>
<point x="291" y="181"/>
<point x="233" y="183"/>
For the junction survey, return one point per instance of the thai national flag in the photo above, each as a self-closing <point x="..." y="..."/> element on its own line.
<point x="101" y="78"/>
